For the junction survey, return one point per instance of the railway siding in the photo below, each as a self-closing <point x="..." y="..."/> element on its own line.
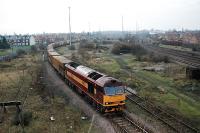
<point x="172" y="122"/>
<point x="126" y="125"/>
<point x="187" y="58"/>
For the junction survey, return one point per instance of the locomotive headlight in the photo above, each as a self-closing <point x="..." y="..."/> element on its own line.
<point x="106" y="103"/>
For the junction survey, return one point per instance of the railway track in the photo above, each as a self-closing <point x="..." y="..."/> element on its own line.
<point x="125" y="124"/>
<point x="187" y="58"/>
<point x="172" y="122"/>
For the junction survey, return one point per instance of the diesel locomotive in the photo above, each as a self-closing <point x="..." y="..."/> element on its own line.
<point x="105" y="93"/>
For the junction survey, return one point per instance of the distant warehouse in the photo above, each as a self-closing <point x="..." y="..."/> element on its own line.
<point x="20" y="40"/>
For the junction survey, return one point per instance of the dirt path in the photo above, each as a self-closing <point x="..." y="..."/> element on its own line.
<point x="100" y="122"/>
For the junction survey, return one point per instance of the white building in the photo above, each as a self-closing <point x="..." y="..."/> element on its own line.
<point x="32" y="40"/>
<point x="20" y="40"/>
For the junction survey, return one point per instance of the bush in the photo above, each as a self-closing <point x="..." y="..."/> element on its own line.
<point x="196" y="48"/>
<point x="4" y="44"/>
<point x="20" y="52"/>
<point x="72" y="47"/>
<point x="33" y="49"/>
<point x="128" y="48"/>
<point x="138" y="58"/>
<point x="166" y="59"/>
<point x="88" y="45"/>
<point x="121" y="48"/>
<point x="23" y="118"/>
<point x="26" y="118"/>
<point x="42" y="46"/>
<point x="156" y="58"/>
<point x="107" y="42"/>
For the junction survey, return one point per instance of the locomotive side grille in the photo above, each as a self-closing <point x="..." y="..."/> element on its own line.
<point x="77" y="79"/>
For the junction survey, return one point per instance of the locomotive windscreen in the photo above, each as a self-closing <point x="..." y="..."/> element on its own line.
<point x="114" y="90"/>
<point x="73" y="64"/>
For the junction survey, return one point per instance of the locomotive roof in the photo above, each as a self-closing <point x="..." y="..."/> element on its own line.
<point x="84" y="70"/>
<point x="108" y="81"/>
<point x="62" y="59"/>
<point x="101" y="79"/>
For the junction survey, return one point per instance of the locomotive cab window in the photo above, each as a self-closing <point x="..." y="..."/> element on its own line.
<point x="118" y="90"/>
<point x="90" y="88"/>
<point x="95" y="75"/>
<point x="73" y="64"/>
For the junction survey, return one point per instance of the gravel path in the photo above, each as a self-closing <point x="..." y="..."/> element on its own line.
<point x="100" y="122"/>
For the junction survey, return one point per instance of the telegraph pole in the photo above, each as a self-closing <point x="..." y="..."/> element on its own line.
<point x="89" y="29"/>
<point x="136" y="27"/>
<point x="70" y="41"/>
<point x="122" y="25"/>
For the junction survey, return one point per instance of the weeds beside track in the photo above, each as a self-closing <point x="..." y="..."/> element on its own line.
<point x="172" y="122"/>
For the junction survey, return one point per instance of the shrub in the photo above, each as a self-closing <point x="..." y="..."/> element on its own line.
<point x="72" y="47"/>
<point x="107" y="42"/>
<point x="23" y="118"/>
<point x="196" y="48"/>
<point x="4" y="44"/>
<point x="33" y="49"/>
<point x="166" y="59"/>
<point x="138" y="58"/>
<point x="156" y="58"/>
<point x="121" y="48"/>
<point x="20" y="52"/>
<point x="26" y="118"/>
<point x="128" y="48"/>
<point x="87" y="45"/>
<point x="138" y="50"/>
<point x="42" y="46"/>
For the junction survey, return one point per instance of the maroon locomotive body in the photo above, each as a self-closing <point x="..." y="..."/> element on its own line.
<point x="104" y="92"/>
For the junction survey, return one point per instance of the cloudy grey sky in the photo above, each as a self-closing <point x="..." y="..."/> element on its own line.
<point x="37" y="16"/>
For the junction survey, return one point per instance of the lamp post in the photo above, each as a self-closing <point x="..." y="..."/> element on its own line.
<point x="70" y="41"/>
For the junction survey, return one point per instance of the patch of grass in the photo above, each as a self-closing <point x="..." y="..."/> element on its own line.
<point x="175" y="47"/>
<point x="172" y="98"/>
<point x="4" y="52"/>
<point x="14" y="50"/>
<point x="105" y="63"/>
<point x="18" y="82"/>
<point x="136" y="109"/>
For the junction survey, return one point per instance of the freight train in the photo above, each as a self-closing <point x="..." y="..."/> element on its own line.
<point x="105" y="93"/>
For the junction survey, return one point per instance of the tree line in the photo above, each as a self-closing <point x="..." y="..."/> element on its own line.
<point x="3" y="43"/>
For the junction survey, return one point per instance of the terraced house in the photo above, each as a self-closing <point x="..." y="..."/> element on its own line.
<point x="20" y="40"/>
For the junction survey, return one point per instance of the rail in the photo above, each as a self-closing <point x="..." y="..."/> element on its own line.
<point x="188" y="58"/>
<point x="174" y="123"/>
<point x="125" y="124"/>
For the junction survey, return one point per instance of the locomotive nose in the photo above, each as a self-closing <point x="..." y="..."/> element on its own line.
<point x="114" y="100"/>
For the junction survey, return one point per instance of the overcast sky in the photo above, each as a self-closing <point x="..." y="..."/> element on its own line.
<point x="37" y="16"/>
